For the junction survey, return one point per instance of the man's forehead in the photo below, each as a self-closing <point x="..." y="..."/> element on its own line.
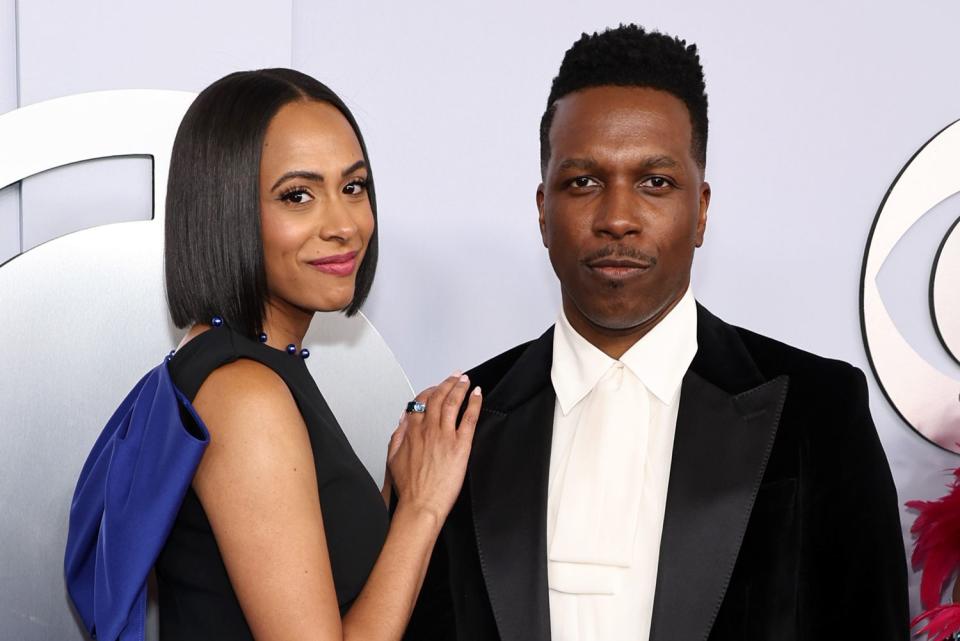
<point x="616" y="118"/>
<point x="591" y="163"/>
<point x="612" y="106"/>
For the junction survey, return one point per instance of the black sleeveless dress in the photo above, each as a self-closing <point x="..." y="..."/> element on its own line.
<point x="197" y="601"/>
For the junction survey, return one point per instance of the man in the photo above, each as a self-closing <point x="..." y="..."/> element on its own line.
<point x="644" y="470"/>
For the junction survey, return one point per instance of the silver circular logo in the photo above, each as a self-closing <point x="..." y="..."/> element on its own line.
<point x="925" y="398"/>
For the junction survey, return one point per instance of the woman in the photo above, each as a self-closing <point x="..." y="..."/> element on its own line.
<point x="271" y="217"/>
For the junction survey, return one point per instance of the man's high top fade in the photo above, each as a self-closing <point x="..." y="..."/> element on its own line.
<point x="628" y="56"/>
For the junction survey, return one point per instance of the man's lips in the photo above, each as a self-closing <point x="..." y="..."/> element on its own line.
<point x="618" y="267"/>
<point x="339" y="265"/>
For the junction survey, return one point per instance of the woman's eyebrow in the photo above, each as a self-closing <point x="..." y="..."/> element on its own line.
<point x="298" y="173"/>
<point x="314" y="176"/>
<point x="360" y="164"/>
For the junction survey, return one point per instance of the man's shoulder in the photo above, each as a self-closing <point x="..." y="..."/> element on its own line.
<point x="776" y="358"/>
<point x="827" y="402"/>
<point x="488" y="373"/>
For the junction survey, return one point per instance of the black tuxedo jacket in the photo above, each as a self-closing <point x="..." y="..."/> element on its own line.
<point x="781" y="519"/>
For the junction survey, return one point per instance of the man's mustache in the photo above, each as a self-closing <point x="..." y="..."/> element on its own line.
<point x="619" y="251"/>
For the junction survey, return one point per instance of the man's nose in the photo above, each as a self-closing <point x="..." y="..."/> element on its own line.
<point x="619" y="212"/>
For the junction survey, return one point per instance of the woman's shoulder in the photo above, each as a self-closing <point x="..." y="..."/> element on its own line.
<point x="254" y="423"/>
<point x="224" y="355"/>
<point x="244" y="385"/>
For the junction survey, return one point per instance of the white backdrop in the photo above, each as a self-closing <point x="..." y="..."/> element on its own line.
<point x="814" y="109"/>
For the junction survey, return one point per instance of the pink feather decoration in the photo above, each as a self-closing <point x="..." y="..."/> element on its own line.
<point x="937" y="551"/>
<point x="943" y="621"/>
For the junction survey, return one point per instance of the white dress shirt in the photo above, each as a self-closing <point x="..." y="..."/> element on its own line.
<point x="613" y="431"/>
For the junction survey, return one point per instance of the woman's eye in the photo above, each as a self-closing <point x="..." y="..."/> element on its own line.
<point x="355" y="188"/>
<point x="297" y="196"/>
<point x="582" y="182"/>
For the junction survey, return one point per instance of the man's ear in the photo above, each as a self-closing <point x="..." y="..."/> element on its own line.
<point x="543" y="224"/>
<point x="702" y="214"/>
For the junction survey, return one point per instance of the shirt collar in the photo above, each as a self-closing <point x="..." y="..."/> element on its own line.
<point x="659" y="359"/>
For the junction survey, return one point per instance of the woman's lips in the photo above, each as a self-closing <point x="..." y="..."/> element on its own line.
<point x="339" y="265"/>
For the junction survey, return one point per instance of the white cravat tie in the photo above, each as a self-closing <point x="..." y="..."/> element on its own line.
<point x="594" y="535"/>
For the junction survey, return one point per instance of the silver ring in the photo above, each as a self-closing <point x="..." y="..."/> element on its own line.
<point x="416" y="407"/>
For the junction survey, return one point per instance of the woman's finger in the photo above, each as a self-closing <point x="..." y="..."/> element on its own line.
<point x="396" y="439"/>
<point x="414" y="420"/>
<point x="437" y="398"/>
<point x="452" y="404"/>
<point x="468" y="422"/>
<point x="425" y="394"/>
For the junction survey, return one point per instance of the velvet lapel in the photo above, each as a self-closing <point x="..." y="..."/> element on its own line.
<point x="509" y="465"/>
<point x="726" y="425"/>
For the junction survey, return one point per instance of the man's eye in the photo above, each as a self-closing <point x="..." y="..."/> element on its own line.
<point x="657" y="182"/>
<point x="297" y="196"/>
<point x="582" y="182"/>
<point x="355" y="187"/>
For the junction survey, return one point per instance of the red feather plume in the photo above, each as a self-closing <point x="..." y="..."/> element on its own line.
<point x="943" y="622"/>
<point x="937" y="551"/>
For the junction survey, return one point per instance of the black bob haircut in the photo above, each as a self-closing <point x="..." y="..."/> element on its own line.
<point x="628" y="56"/>
<point x="213" y="251"/>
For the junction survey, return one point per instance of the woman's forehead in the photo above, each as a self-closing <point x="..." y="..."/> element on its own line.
<point x="310" y="131"/>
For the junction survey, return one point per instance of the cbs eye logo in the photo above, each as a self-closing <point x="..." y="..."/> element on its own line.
<point x="925" y="398"/>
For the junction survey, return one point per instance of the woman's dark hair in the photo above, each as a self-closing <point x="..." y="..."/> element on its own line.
<point x="213" y="253"/>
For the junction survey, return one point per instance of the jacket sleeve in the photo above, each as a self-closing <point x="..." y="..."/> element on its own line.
<point x="854" y="572"/>
<point x="433" y="617"/>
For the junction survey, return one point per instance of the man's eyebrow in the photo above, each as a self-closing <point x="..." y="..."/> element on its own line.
<point x="585" y="164"/>
<point x="659" y="162"/>
<point x="314" y="176"/>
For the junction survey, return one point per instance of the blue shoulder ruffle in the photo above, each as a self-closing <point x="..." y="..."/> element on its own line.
<point x="127" y="498"/>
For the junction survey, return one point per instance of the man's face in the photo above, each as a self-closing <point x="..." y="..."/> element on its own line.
<point x="622" y="206"/>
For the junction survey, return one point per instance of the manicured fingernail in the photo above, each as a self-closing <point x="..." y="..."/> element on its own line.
<point x="476" y="391"/>
<point x="456" y="373"/>
<point x="464" y="378"/>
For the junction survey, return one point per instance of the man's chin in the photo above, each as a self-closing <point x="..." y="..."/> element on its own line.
<point x="627" y="318"/>
<point x="622" y="323"/>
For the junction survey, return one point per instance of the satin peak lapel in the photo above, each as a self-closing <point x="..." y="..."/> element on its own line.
<point x="720" y="453"/>
<point x="508" y="473"/>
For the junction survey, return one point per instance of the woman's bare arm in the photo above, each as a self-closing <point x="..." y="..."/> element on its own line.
<point x="258" y="486"/>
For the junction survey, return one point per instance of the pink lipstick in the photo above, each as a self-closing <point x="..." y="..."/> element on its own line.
<point x="339" y="265"/>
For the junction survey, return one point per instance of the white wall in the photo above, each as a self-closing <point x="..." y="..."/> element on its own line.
<point x="68" y="48"/>
<point x="814" y="109"/>
<point x="9" y="197"/>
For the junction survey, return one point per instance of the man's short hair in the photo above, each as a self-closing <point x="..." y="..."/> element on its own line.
<point x="628" y="56"/>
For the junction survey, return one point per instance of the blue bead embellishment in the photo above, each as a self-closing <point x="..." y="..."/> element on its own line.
<point x="262" y="337"/>
<point x="305" y="353"/>
<point x="216" y="321"/>
<point x="291" y="349"/>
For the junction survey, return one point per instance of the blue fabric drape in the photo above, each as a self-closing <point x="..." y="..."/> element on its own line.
<point x="125" y="503"/>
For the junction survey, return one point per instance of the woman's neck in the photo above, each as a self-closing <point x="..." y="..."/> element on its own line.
<point x="285" y="324"/>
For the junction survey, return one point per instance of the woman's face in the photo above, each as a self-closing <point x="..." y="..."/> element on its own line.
<point x="315" y="215"/>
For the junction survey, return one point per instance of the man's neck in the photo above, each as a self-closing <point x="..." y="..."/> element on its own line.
<point x="614" y="342"/>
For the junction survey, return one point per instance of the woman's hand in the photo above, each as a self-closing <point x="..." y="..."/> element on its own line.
<point x="428" y="453"/>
